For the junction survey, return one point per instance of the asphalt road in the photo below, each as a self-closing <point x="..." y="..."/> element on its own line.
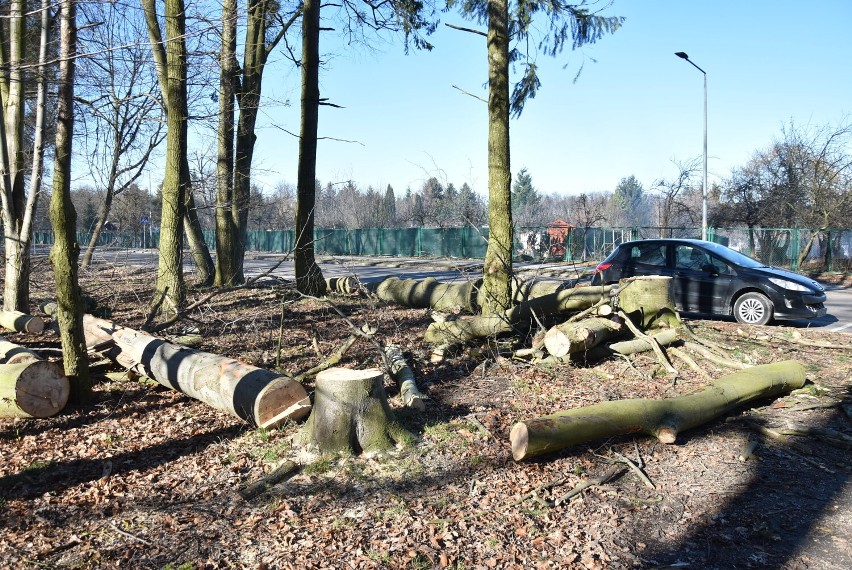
<point x="838" y="303"/>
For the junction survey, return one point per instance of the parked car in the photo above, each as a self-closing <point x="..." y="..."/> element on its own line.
<point x="713" y="279"/>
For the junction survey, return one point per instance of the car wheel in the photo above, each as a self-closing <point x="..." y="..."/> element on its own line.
<point x="753" y="309"/>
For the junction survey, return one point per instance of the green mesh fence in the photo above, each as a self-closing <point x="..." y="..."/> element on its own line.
<point x="795" y="248"/>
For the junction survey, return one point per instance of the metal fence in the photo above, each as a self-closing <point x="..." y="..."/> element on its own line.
<point x="795" y="248"/>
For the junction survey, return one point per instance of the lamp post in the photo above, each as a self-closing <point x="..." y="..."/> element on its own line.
<point x="683" y="55"/>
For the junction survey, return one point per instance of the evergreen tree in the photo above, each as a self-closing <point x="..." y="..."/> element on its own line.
<point x="629" y="198"/>
<point x="389" y="207"/>
<point x="526" y="200"/>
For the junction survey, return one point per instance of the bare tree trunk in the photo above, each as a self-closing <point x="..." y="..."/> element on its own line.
<point x="16" y="282"/>
<point x="226" y="230"/>
<point x="197" y="245"/>
<point x="309" y="278"/>
<point x="103" y="212"/>
<point x="496" y="294"/>
<point x="170" y="59"/>
<point x="66" y="251"/>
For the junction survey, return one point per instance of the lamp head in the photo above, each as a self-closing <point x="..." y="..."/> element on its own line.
<point x="681" y="55"/>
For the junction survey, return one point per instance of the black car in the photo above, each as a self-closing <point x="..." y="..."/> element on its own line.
<point x="711" y="278"/>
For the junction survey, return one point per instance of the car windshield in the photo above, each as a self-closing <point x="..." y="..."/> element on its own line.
<point x="734" y="257"/>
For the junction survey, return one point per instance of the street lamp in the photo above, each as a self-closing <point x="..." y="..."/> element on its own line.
<point x="683" y="55"/>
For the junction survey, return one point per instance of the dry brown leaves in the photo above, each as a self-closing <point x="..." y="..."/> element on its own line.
<point x="147" y="478"/>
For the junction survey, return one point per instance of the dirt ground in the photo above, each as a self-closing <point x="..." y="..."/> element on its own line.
<point x="145" y="477"/>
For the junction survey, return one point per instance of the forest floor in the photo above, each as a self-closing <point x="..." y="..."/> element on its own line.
<point x="145" y="477"/>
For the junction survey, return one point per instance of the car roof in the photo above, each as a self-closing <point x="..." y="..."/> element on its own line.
<point x="669" y="240"/>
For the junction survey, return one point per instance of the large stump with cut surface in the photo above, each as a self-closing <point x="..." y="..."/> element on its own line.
<point x="648" y="301"/>
<point x="351" y="413"/>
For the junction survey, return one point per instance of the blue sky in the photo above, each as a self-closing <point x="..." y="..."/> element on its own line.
<point x="632" y="111"/>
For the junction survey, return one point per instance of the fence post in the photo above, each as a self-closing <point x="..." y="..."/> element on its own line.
<point x="419" y="242"/>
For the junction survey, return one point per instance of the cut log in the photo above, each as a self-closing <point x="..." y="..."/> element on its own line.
<point x="465" y="329"/>
<point x="351" y="413"/>
<point x="36" y="389"/>
<point x="404" y="376"/>
<point x="258" y="396"/>
<point x="580" y="336"/>
<point x="98" y="332"/>
<point x="648" y="301"/>
<point x="635" y="345"/>
<point x="11" y="353"/>
<point x="342" y="285"/>
<point x="21" y="322"/>
<point x="562" y="301"/>
<point x="523" y="291"/>
<point x="430" y="293"/>
<point x="664" y="419"/>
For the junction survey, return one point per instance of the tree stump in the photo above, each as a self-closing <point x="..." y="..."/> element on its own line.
<point x="351" y="413"/>
<point x="648" y="302"/>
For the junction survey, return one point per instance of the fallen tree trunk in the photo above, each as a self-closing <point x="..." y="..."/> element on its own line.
<point x="635" y="345"/>
<point x="579" y="336"/>
<point x="648" y="302"/>
<point x="430" y="293"/>
<point x="404" y="376"/>
<point x="663" y="419"/>
<point x="342" y="285"/>
<point x="36" y="389"/>
<point x="351" y="413"/>
<point x="465" y="329"/>
<point x="256" y="395"/>
<point x="21" y="322"/>
<point x="11" y="353"/>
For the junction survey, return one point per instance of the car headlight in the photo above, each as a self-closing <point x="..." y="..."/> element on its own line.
<point x="791" y="285"/>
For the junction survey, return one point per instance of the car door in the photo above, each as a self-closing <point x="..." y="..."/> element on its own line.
<point x="701" y="280"/>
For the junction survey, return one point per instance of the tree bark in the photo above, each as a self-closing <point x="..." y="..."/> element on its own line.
<point x="258" y="396"/>
<point x="309" y="278"/>
<point x="21" y="322"/>
<point x="65" y="253"/>
<point x="581" y="335"/>
<point x="226" y="231"/>
<point x="18" y="209"/>
<point x="35" y="389"/>
<point x="351" y="413"/>
<point x="664" y="419"/>
<point x="648" y="302"/>
<point x="496" y="294"/>
<point x="170" y="60"/>
<point x="429" y="293"/>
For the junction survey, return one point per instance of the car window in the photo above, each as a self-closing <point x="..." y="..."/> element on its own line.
<point x="649" y="254"/>
<point x="692" y="258"/>
<point x="720" y="266"/>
